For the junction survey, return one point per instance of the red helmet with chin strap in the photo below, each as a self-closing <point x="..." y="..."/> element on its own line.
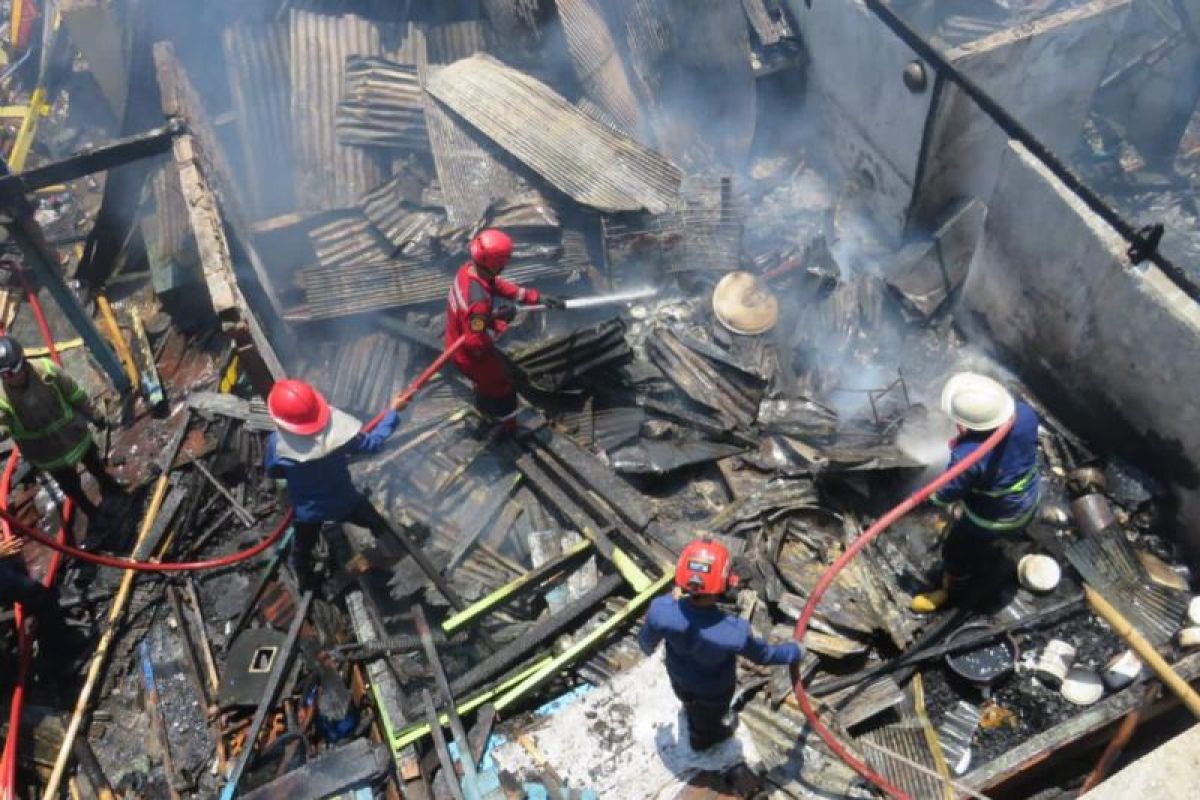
<point x="705" y="568"/>
<point x="298" y="408"/>
<point x="491" y="249"/>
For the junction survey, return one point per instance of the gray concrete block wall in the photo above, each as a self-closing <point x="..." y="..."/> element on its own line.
<point x="1110" y="348"/>
<point x="1044" y="73"/>
<point x="874" y="121"/>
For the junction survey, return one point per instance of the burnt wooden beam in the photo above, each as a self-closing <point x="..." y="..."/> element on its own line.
<point x="537" y="638"/>
<point x="43" y="265"/>
<point x="470" y="776"/>
<point x="355" y="765"/>
<point x="279" y="672"/>
<point x="205" y="180"/>
<point x="122" y="151"/>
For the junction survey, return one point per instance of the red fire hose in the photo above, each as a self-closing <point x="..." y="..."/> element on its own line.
<point x="882" y="524"/>
<point x="232" y="558"/>
<point x="8" y="766"/>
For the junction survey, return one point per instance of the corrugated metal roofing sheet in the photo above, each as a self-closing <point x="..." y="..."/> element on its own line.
<point x="382" y="106"/>
<point x="597" y="62"/>
<point x="342" y="291"/>
<point x="705" y="234"/>
<point x="256" y="60"/>
<point x="471" y="177"/>
<point x="348" y="239"/>
<point x="330" y="174"/>
<point x="588" y="161"/>
<point x="401" y="222"/>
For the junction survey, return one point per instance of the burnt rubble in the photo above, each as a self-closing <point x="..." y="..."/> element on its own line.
<point x="303" y="214"/>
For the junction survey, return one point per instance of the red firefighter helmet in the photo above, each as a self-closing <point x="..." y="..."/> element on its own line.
<point x="298" y="408"/>
<point x="491" y="249"/>
<point x="705" y="568"/>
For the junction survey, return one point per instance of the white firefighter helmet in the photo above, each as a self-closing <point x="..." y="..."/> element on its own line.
<point x="977" y="402"/>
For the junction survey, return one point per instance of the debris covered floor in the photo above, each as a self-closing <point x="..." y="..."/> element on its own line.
<point x="327" y="164"/>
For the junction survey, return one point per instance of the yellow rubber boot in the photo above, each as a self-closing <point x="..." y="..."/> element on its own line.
<point x="928" y="602"/>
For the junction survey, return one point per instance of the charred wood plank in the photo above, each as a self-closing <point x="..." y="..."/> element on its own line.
<point x="538" y="636"/>
<point x="439" y="745"/>
<point x="279" y="672"/>
<point x="389" y="697"/>
<point x="357" y="764"/>
<point x="122" y="151"/>
<point x="470" y="780"/>
<point x="627" y="502"/>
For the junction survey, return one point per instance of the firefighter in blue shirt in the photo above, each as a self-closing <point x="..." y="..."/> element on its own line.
<point x="703" y="642"/>
<point x="998" y="496"/>
<point x="311" y="449"/>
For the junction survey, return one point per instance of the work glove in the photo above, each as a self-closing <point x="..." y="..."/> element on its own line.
<point x="550" y="301"/>
<point x="796" y="654"/>
<point x="399" y="403"/>
<point x="505" y="313"/>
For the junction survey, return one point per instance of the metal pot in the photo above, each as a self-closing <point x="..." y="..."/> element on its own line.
<point x="986" y="664"/>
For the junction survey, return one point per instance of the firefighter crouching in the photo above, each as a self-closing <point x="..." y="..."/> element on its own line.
<point x="311" y="449"/>
<point x="47" y="415"/>
<point x="998" y="496"/>
<point x="470" y="312"/>
<point x="703" y="642"/>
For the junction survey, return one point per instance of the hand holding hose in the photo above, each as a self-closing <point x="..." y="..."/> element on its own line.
<point x="551" y="301"/>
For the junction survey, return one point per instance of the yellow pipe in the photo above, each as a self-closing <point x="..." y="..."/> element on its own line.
<point x="69" y="344"/>
<point x="581" y="646"/>
<point x="1145" y="651"/>
<point x="115" y="613"/>
<point x="21" y="147"/>
<point x="14" y="24"/>
<point x="118" y="341"/>
<point x="414" y="733"/>
<point x="496" y="598"/>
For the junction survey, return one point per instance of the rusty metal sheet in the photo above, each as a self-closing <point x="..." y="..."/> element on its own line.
<point x="588" y="161"/>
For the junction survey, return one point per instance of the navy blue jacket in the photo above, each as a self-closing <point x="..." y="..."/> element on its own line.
<point x="1001" y="491"/>
<point x="703" y="644"/>
<point x="321" y="489"/>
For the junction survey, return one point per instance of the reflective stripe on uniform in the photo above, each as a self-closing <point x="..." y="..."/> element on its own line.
<point x="1016" y="523"/>
<point x="22" y="434"/>
<point x="457" y="303"/>
<point x="1021" y="485"/>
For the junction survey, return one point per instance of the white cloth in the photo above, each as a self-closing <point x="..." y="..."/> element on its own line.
<point x="342" y="428"/>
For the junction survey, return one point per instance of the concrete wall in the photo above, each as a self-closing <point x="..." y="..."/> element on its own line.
<point x="1045" y="73"/>
<point x="1112" y="349"/>
<point x="1153" y="102"/>
<point x="875" y="123"/>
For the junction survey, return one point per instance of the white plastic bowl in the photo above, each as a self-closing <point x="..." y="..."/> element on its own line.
<point x="1039" y="573"/>
<point x="1082" y="687"/>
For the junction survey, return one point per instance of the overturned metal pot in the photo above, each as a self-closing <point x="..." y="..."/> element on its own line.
<point x="742" y="303"/>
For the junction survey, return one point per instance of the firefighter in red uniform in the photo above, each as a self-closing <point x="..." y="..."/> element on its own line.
<point x="470" y="313"/>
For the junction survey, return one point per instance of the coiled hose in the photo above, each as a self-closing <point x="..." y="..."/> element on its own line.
<point x="882" y="524"/>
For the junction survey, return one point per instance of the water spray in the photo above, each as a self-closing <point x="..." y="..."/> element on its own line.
<point x="595" y="300"/>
